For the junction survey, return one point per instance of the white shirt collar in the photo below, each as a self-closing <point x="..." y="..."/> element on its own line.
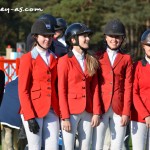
<point x="111" y="51"/>
<point x="41" y="52"/>
<point x="112" y="55"/>
<point x="62" y="40"/>
<point x="78" y="55"/>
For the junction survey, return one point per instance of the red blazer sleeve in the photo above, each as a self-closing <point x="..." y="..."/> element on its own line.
<point x="24" y="80"/>
<point x="137" y="101"/>
<point x="62" y="87"/>
<point x="96" y="99"/>
<point x="128" y="87"/>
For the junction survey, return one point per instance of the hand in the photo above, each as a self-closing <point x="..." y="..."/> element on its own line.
<point x="66" y="125"/>
<point x="124" y="120"/>
<point x="147" y="120"/>
<point x="95" y="120"/>
<point x="33" y="126"/>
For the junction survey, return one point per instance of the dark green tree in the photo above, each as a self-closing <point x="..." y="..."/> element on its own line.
<point x="15" y="25"/>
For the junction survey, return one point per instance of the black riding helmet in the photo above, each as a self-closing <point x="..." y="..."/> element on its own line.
<point x="61" y="24"/>
<point x="42" y="27"/>
<point x="74" y="30"/>
<point x="49" y="17"/>
<point x="115" y="27"/>
<point x="145" y="38"/>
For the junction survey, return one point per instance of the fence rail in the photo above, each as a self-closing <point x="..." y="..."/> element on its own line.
<point x="10" y="68"/>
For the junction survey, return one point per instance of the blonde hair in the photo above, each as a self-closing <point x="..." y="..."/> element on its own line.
<point x="92" y="64"/>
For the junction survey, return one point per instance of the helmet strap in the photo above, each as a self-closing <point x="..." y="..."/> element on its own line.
<point x="77" y="44"/>
<point x="118" y="46"/>
<point x="77" y="41"/>
<point x="38" y="42"/>
<point x="61" y="35"/>
<point x="84" y="49"/>
<point x="114" y="48"/>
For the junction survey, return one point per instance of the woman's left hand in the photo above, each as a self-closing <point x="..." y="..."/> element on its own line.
<point x="147" y="121"/>
<point x="66" y="125"/>
<point x="95" y="120"/>
<point x="124" y="120"/>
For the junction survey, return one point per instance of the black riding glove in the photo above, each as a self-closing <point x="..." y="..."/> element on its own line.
<point x="33" y="126"/>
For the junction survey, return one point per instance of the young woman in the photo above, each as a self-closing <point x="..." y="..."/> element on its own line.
<point x="37" y="90"/>
<point x="60" y="45"/>
<point x="140" y="114"/>
<point x="78" y="88"/>
<point x="115" y="79"/>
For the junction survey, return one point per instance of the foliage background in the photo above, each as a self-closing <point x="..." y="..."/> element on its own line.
<point x="135" y="14"/>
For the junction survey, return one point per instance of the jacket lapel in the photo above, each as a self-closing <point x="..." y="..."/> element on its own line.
<point x="104" y="59"/>
<point x="53" y="61"/>
<point x="76" y="64"/>
<point x="40" y="62"/>
<point x="35" y="55"/>
<point x="117" y="59"/>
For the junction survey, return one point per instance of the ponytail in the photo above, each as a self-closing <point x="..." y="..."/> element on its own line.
<point x="92" y="64"/>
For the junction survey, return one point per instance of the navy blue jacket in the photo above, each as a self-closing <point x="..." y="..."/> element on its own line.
<point x="2" y="84"/>
<point x="9" y="110"/>
<point x="59" y="49"/>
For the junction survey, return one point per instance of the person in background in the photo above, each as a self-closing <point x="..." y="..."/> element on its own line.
<point x="2" y="84"/>
<point x="115" y="80"/>
<point x="37" y="90"/>
<point x="140" y="112"/>
<point x="78" y="88"/>
<point x="10" y="119"/>
<point x="13" y="136"/>
<point x="61" y="48"/>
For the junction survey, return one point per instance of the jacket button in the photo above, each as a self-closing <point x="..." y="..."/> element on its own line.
<point x="83" y="79"/>
<point x="48" y="95"/>
<point x="48" y="72"/>
<point x="83" y="87"/>
<point x="48" y="80"/>
<point x="48" y="87"/>
<point x="111" y="82"/>
<point x="83" y="96"/>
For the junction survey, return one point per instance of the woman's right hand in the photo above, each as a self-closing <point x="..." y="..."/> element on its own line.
<point x="33" y="126"/>
<point x="66" y="125"/>
<point x="147" y="120"/>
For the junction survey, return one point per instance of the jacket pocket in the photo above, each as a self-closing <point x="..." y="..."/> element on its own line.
<point x="35" y="94"/>
<point x="74" y="96"/>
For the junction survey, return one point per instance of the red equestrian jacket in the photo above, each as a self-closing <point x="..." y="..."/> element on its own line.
<point x="141" y="92"/>
<point x="77" y="90"/>
<point x="116" y="83"/>
<point x="37" y="85"/>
